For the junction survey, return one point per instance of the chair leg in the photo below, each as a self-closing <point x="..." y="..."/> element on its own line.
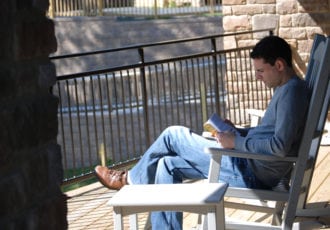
<point x="200" y="221"/>
<point x="220" y="216"/>
<point x="147" y="226"/>
<point x="133" y="222"/>
<point x="118" y="218"/>
<point x="277" y="215"/>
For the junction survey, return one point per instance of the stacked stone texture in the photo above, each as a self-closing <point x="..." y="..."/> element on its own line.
<point x="295" y="21"/>
<point x="30" y="160"/>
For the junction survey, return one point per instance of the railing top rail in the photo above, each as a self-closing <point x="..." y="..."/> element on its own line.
<point x="138" y="46"/>
<point x="146" y="63"/>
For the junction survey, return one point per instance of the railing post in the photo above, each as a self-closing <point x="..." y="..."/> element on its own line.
<point x="51" y="9"/>
<point x="100" y="7"/>
<point x="144" y="96"/>
<point x="212" y="5"/>
<point x="216" y="75"/>
<point x="203" y="101"/>
<point x="155" y="9"/>
<point x="102" y="155"/>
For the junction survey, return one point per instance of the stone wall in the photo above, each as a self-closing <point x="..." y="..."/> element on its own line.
<point x="30" y="162"/>
<point x="294" y="20"/>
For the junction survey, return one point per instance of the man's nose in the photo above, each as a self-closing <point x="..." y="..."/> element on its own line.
<point x="258" y="76"/>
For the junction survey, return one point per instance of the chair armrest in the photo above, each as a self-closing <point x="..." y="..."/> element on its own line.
<point x="249" y="155"/>
<point x="256" y="112"/>
<point x="256" y="115"/>
<point x="216" y="155"/>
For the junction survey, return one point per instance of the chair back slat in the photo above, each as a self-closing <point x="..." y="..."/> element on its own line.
<point x="318" y="78"/>
<point x="314" y="62"/>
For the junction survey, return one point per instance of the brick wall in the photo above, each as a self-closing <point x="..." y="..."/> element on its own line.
<point x="30" y="162"/>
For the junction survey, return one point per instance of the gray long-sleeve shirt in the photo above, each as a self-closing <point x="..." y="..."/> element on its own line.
<point x="279" y="132"/>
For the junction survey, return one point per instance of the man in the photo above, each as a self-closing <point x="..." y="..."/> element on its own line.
<point x="178" y="153"/>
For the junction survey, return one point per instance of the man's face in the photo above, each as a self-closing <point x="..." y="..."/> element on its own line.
<point x="268" y="74"/>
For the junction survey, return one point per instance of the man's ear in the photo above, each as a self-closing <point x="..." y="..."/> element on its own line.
<point x="280" y="64"/>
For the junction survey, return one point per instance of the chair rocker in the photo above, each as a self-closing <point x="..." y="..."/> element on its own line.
<point x="291" y="203"/>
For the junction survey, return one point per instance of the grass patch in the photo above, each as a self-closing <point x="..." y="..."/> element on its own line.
<point x="69" y="187"/>
<point x="76" y="173"/>
<point x="154" y="17"/>
<point x="212" y="15"/>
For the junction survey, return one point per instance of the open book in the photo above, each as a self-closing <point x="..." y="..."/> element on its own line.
<point x="217" y="124"/>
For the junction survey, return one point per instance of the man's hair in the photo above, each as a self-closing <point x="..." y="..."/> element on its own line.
<point x="271" y="48"/>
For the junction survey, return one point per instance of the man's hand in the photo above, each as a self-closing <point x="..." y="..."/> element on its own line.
<point x="226" y="139"/>
<point x="229" y="122"/>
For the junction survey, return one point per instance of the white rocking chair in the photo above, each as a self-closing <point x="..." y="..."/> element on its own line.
<point x="292" y="203"/>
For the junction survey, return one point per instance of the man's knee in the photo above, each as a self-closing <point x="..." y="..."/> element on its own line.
<point x="174" y="130"/>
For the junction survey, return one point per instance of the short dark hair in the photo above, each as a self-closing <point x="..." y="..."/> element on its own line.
<point x="271" y="48"/>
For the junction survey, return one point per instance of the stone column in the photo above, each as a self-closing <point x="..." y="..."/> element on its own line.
<point x="30" y="159"/>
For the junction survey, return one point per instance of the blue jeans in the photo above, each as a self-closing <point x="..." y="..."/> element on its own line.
<point x="177" y="154"/>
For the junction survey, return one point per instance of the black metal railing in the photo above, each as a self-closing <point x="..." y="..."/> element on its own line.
<point x="112" y="115"/>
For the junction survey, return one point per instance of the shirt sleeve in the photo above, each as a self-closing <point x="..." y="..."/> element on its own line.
<point x="284" y="135"/>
